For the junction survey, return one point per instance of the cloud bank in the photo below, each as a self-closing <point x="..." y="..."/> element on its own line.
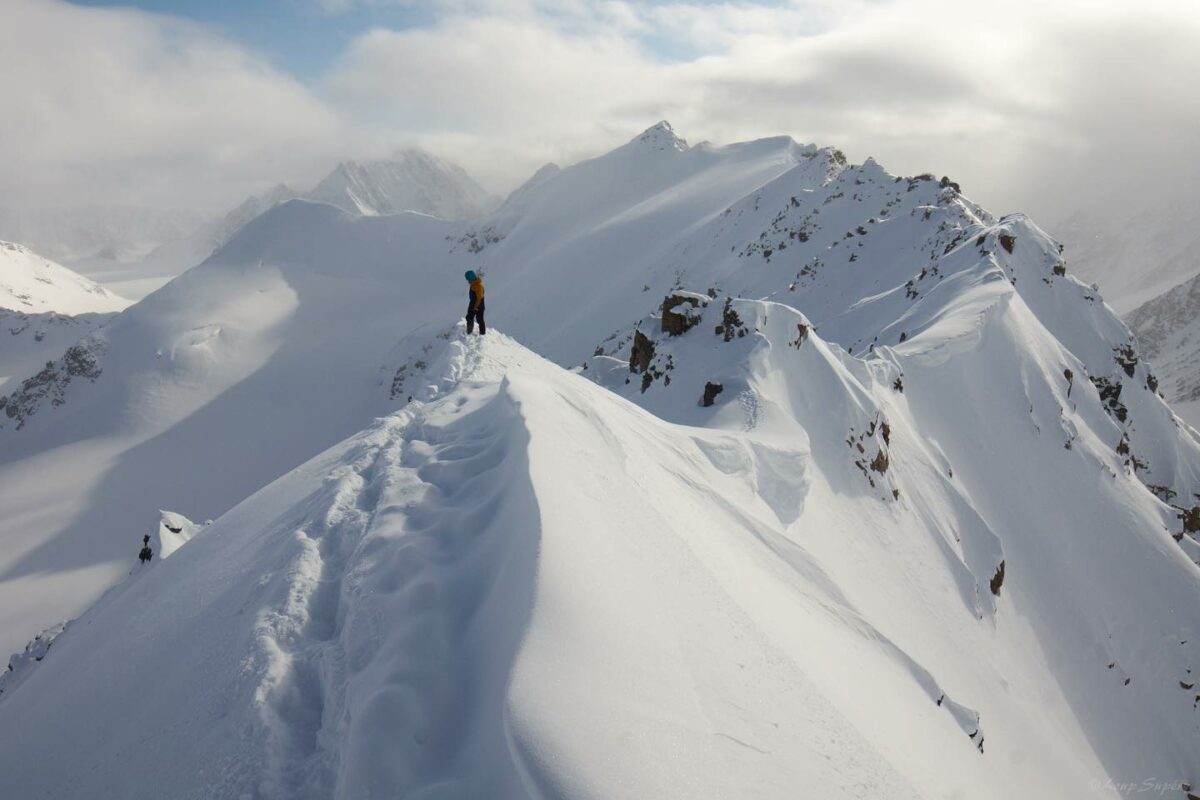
<point x="1030" y="105"/>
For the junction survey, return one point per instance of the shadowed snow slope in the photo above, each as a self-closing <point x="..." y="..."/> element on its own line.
<point x="522" y="585"/>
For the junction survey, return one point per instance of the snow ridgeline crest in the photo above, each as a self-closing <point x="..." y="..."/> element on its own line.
<point x="948" y="244"/>
<point x="371" y="626"/>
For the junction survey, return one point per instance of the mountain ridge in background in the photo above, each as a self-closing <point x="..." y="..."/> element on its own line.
<point x="1168" y="334"/>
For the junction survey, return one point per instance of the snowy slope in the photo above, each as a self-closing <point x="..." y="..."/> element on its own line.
<point x="175" y="256"/>
<point x="431" y="609"/>
<point x="34" y="285"/>
<point x="1168" y="333"/>
<point x="1017" y="542"/>
<point x="293" y="335"/>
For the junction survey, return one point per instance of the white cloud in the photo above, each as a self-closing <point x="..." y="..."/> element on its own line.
<point x="113" y="104"/>
<point x="1024" y="103"/>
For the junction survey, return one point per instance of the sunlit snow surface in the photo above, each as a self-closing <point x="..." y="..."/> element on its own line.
<point x="911" y="549"/>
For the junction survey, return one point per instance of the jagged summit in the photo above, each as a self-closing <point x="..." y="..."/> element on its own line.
<point x="410" y="180"/>
<point x="661" y="136"/>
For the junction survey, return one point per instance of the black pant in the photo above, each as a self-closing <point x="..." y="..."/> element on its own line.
<point x="475" y="312"/>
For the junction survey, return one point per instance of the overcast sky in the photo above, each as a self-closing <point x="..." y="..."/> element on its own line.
<point x="1030" y="104"/>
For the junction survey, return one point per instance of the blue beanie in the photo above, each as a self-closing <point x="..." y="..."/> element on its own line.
<point x="470" y="275"/>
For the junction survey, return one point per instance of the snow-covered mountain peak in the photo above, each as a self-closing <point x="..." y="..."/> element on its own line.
<point x="35" y="285"/>
<point x="661" y="136"/>
<point x="411" y="180"/>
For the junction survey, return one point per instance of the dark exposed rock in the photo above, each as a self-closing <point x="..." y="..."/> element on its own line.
<point x="1190" y="518"/>
<point x="711" y="390"/>
<point x="1126" y="358"/>
<point x="1008" y="242"/>
<point x="997" y="579"/>
<point x="676" y="322"/>
<point x="731" y="324"/>
<point x="1070" y="376"/>
<point x="880" y="462"/>
<point x="79" y="361"/>
<point x="1110" y="396"/>
<point x="640" y="353"/>
<point x="801" y="335"/>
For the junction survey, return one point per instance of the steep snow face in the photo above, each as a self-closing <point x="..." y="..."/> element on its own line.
<point x="34" y="285"/>
<point x="409" y="181"/>
<point x="984" y="399"/>
<point x="456" y="603"/>
<point x="1168" y="332"/>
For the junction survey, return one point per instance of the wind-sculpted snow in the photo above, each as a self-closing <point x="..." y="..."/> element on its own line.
<point x="436" y="607"/>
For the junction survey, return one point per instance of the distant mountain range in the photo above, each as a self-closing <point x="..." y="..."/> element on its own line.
<point x="411" y="180"/>
<point x="1168" y="334"/>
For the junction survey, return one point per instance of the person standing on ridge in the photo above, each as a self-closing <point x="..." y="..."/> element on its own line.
<point x="146" y="554"/>
<point x="475" y="302"/>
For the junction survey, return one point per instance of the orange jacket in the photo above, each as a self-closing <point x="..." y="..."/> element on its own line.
<point x="476" y="291"/>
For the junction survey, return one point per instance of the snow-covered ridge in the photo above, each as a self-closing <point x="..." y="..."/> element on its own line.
<point x="867" y="476"/>
<point x="433" y="604"/>
<point x="412" y="180"/>
<point x="34" y="285"/>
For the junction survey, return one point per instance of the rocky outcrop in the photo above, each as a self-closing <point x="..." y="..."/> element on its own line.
<point x="679" y="313"/>
<point x="50" y="385"/>
<point x="711" y="390"/>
